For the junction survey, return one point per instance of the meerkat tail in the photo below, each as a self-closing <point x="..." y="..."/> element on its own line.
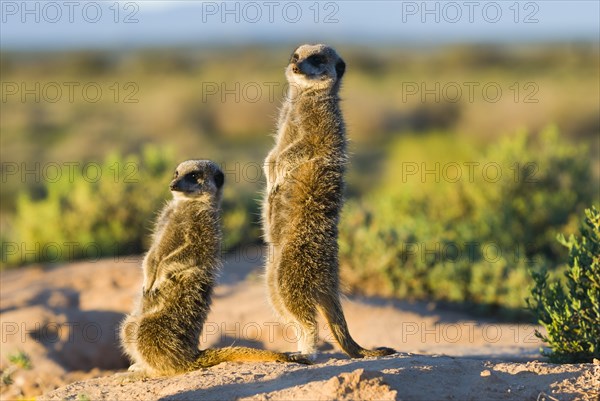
<point x="337" y="323"/>
<point x="213" y="356"/>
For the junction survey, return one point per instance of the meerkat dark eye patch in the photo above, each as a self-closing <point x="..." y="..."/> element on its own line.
<point x="316" y="59"/>
<point x="219" y="179"/>
<point x="340" y="68"/>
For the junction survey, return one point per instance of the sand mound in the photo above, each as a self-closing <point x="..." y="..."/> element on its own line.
<point x="399" y="377"/>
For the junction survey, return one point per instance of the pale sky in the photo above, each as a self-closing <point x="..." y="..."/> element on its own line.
<point x="47" y="24"/>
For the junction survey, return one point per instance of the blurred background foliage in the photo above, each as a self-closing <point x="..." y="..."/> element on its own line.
<point x="431" y="235"/>
<point x="412" y="227"/>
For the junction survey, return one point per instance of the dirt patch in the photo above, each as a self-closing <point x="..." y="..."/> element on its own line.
<point x="65" y="319"/>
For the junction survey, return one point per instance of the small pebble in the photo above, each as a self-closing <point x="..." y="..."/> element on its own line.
<point x="485" y="373"/>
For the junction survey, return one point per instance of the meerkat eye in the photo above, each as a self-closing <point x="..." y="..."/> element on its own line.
<point x="195" y="176"/>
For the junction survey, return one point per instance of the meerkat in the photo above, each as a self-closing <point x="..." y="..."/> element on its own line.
<point x="303" y="199"/>
<point x="161" y="335"/>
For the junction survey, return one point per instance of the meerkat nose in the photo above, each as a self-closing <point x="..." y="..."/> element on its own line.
<point x="295" y="69"/>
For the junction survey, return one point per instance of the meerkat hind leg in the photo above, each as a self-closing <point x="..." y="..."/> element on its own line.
<point x="287" y="317"/>
<point x="308" y="337"/>
<point x="304" y="316"/>
<point x="306" y="329"/>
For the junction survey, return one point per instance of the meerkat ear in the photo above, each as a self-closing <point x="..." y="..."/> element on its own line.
<point x="340" y="68"/>
<point x="219" y="179"/>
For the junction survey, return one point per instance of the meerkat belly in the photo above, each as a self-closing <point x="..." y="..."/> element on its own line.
<point x="308" y="209"/>
<point x="313" y="190"/>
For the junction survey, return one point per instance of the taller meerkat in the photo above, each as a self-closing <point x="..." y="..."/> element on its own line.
<point x="304" y="198"/>
<point x="161" y="335"/>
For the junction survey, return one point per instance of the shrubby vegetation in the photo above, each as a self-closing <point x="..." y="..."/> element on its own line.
<point x="107" y="211"/>
<point x="571" y="312"/>
<point x="208" y="102"/>
<point x="17" y="360"/>
<point x="448" y="234"/>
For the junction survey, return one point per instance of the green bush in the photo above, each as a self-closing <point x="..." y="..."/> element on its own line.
<point x="470" y="239"/>
<point x="106" y="210"/>
<point x="240" y="218"/>
<point x="571" y="315"/>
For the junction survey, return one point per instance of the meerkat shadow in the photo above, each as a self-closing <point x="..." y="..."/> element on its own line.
<point x="334" y="354"/>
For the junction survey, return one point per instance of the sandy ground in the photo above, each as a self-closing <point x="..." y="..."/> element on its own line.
<point x="65" y="318"/>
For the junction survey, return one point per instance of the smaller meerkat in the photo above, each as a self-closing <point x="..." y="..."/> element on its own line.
<point x="304" y="197"/>
<point x="161" y="335"/>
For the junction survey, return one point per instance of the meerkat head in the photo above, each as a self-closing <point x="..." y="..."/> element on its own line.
<point x="315" y="67"/>
<point x="197" y="180"/>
